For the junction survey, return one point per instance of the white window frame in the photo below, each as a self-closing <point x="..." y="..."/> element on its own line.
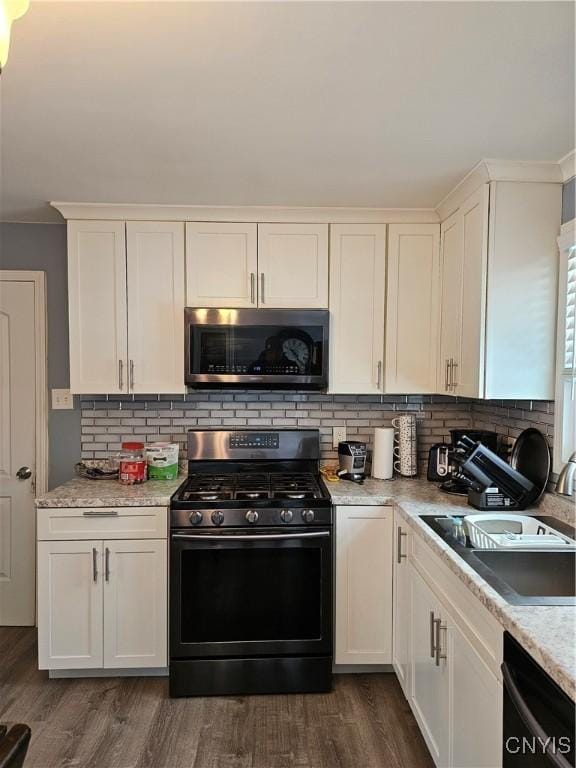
<point x="565" y="406"/>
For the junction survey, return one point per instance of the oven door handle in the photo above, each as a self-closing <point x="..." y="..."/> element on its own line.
<point x="556" y="759"/>
<point x="247" y="537"/>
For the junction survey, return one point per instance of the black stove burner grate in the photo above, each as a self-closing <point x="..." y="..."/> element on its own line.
<point x="241" y="486"/>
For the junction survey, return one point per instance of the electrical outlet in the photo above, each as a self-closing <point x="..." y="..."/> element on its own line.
<point x="338" y="435"/>
<point x="62" y="400"/>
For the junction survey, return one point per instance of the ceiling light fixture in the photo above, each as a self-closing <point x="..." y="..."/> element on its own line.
<point x="10" y="10"/>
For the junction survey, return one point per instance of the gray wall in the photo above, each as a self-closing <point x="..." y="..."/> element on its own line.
<point x="569" y="200"/>
<point x="42" y="247"/>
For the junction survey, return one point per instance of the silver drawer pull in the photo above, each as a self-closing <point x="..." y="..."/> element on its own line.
<point x="94" y="564"/>
<point x="100" y="513"/>
<point x="399" y="554"/>
<point x="438" y="649"/>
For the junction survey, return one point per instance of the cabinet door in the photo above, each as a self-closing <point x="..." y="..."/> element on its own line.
<point x="401" y="608"/>
<point x="135" y="604"/>
<point x="97" y="307"/>
<point x="451" y="268"/>
<point x="429" y="681"/>
<point x="469" y="376"/>
<point x="412" y="308"/>
<point x="357" y="290"/>
<point x="156" y="307"/>
<point x="363" y="585"/>
<point x="70" y="604"/>
<point x="475" y="707"/>
<point x="221" y="264"/>
<point x="293" y="265"/>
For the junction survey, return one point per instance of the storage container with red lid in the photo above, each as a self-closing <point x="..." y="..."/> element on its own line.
<point x="132" y="464"/>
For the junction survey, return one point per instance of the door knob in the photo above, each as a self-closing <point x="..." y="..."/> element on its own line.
<point x="24" y="473"/>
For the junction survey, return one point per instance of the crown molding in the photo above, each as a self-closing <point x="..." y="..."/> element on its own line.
<point x="497" y="170"/>
<point x="268" y="214"/>
<point x="568" y="165"/>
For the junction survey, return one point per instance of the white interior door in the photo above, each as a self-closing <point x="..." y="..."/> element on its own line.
<point x="135" y="603"/>
<point x="155" y="307"/>
<point x="293" y="265"/>
<point x="18" y="405"/>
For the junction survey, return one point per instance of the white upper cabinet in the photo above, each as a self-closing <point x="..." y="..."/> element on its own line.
<point x="126" y="300"/>
<point x="293" y="266"/>
<point x="97" y="307"/>
<point x="221" y="264"/>
<point x="357" y="297"/>
<point x="155" y="307"/>
<point x="412" y="308"/>
<point x="499" y="281"/>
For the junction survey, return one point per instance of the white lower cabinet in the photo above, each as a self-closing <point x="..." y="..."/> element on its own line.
<point x="363" y="585"/>
<point x="401" y="606"/>
<point x="135" y="604"/>
<point x="428" y="670"/>
<point x="70" y="600"/>
<point x="102" y="604"/>
<point x="446" y="653"/>
<point x="475" y="706"/>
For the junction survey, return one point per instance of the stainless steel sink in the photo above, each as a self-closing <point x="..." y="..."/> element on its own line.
<point x="521" y="577"/>
<point x="537" y="574"/>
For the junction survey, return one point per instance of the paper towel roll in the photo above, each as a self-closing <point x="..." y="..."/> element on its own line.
<point x="383" y="456"/>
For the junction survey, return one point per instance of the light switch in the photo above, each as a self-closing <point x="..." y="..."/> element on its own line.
<point x="62" y="400"/>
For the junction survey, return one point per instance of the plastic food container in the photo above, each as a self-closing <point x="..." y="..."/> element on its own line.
<point x="162" y="461"/>
<point x="132" y="464"/>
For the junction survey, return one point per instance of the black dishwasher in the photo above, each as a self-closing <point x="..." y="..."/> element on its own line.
<point x="538" y="715"/>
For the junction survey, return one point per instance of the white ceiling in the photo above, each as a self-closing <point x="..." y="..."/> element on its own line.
<point x="333" y="103"/>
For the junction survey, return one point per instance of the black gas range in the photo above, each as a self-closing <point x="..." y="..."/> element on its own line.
<point x="251" y="566"/>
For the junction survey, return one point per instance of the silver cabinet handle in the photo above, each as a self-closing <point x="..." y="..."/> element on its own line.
<point x="379" y="375"/>
<point x="100" y="513"/>
<point x="94" y="564"/>
<point x="107" y="564"/>
<point x="450" y="372"/>
<point x="399" y="554"/>
<point x="432" y="643"/>
<point x="252" y="288"/>
<point x="131" y="374"/>
<point x="446" y="375"/>
<point x="214" y="539"/>
<point x="438" y="645"/>
<point x="120" y="374"/>
<point x="262" y="288"/>
<point x="454" y="382"/>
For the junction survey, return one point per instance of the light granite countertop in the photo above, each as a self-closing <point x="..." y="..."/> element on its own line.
<point x="82" y="492"/>
<point x="547" y="632"/>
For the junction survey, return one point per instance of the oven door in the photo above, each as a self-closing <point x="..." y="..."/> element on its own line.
<point x="257" y="347"/>
<point x="244" y="593"/>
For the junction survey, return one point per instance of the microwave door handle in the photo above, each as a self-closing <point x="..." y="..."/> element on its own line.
<point x="247" y="537"/>
<point x="530" y="721"/>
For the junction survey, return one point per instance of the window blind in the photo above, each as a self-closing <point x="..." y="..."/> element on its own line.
<point x="570" y="321"/>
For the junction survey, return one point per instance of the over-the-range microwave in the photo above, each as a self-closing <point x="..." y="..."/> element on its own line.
<point x="257" y="348"/>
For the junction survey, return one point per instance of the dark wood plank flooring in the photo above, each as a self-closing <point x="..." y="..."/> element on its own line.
<point x="131" y="723"/>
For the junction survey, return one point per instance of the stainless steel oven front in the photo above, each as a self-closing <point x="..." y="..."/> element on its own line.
<point x="236" y="593"/>
<point x="285" y="348"/>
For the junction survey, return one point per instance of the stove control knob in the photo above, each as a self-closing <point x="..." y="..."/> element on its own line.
<point x="286" y="515"/>
<point x="308" y="515"/>
<point x="217" y="517"/>
<point x="195" y="517"/>
<point x="252" y="516"/>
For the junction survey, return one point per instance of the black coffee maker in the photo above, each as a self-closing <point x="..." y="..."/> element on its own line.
<point x="441" y="464"/>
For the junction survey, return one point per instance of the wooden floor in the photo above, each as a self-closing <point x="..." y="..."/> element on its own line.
<point x="119" y="723"/>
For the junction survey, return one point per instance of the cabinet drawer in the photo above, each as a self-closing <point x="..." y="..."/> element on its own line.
<point x="61" y="524"/>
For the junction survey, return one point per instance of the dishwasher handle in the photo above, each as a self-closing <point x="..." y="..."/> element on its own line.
<point x="530" y="720"/>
